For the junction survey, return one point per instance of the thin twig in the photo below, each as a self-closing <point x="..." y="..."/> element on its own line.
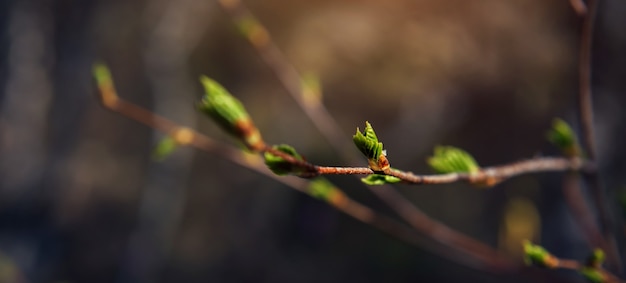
<point x="485" y="176"/>
<point x="465" y="251"/>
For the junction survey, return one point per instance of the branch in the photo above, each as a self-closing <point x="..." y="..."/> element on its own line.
<point x="460" y="249"/>
<point x="586" y="119"/>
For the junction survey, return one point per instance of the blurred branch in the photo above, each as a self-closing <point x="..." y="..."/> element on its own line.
<point x="456" y="247"/>
<point x="588" y="134"/>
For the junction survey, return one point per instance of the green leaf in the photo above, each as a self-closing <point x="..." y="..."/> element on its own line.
<point x="368" y="143"/>
<point x="563" y="137"/>
<point x="164" y="148"/>
<point x="537" y="255"/>
<point x="229" y="114"/>
<point x="448" y="159"/>
<point x="592" y="274"/>
<point x="279" y="165"/>
<point x="322" y="189"/>
<point x="380" y="179"/>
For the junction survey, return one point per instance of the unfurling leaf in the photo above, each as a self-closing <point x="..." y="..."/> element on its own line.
<point x="563" y="137"/>
<point x="279" y="165"/>
<point x="448" y="159"/>
<point x="368" y="144"/>
<point x="380" y="179"/>
<point x="229" y="114"/>
<point x="537" y="255"/>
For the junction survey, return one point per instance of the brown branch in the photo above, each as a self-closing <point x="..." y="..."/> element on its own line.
<point x="464" y="251"/>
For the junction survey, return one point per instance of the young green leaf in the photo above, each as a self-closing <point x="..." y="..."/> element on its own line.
<point x="448" y="159"/>
<point x="537" y="255"/>
<point x="279" y="165"/>
<point x="229" y="114"/>
<point x="380" y="179"/>
<point x="368" y="144"/>
<point x="563" y="137"/>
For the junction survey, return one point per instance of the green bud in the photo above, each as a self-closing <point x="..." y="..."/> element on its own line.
<point x="537" y="255"/>
<point x="280" y="166"/>
<point x="164" y="148"/>
<point x="448" y="159"/>
<point x="229" y="114"/>
<point x="380" y="179"/>
<point x="563" y="137"/>
<point x="368" y="144"/>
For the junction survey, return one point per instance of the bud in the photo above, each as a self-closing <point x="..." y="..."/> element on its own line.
<point x="368" y="144"/>
<point x="230" y="114"/>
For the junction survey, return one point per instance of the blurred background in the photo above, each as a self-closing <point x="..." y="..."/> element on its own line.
<point x="81" y="199"/>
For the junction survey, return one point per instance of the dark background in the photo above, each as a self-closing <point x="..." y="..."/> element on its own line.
<point x="82" y="201"/>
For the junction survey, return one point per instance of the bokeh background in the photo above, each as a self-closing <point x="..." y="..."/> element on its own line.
<point x="81" y="199"/>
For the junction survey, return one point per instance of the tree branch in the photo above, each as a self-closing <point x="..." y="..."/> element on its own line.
<point x="452" y="245"/>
